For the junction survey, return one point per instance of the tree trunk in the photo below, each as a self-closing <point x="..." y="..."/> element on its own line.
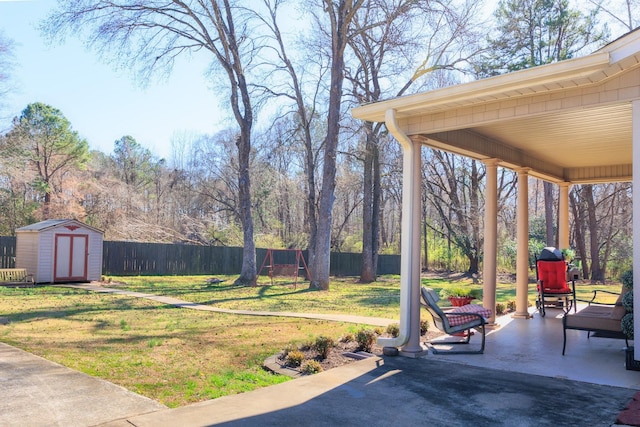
<point x="594" y="248"/>
<point x="340" y="16"/>
<point x="46" y="206"/>
<point x="376" y="210"/>
<point x="243" y="112"/>
<point x="367" y="274"/>
<point x="248" y="274"/>
<point x="548" y="213"/>
<point x="310" y="204"/>
<point x="476" y="244"/>
<point x="474" y="265"/>
<point x="580" y="231"/>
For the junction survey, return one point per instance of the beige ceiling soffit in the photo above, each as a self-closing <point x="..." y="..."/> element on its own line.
<point x="599" y="174"/>
<point x="537" y="76"/>
<point x="476" y="146"/>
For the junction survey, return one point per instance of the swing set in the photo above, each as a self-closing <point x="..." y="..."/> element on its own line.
<point x="285" y="263"/>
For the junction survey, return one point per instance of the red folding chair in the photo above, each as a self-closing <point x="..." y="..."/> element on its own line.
<point x="553" y="288"/>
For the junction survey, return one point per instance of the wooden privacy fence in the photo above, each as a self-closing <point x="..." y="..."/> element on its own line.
<point x="7" y="251"/>
<point x="134" y="258"/>
<point x="148" y="259"/>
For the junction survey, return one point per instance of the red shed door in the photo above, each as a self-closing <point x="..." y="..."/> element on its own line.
<point x="71" y="253"/>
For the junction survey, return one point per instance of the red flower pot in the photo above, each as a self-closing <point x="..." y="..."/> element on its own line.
<point x="460" y="301"/>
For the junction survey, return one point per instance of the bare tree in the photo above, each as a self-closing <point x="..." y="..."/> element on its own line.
<point x="455" y="189"/>
<point x="602" y="224"/>
<point x="6" y="65"/>
<point x="396" y="43"/>
<point x="303" y="95"/>
<point x="340" y="15"/>
<point x="622" y="14"/>
<point x="281" y="192"/>
<point x="151" y="35"/>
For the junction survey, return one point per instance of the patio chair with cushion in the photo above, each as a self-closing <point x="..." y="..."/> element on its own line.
<point x="600" y="318"/>
<point x="553" y="288"/>
<point x="460" y="320"/>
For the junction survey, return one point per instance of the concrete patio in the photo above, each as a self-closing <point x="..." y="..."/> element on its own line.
<point x="534" y="346"/>
<point x="517" y="381"/>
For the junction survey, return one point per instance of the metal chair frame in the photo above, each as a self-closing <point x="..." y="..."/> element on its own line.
<point x="430" y="300"/>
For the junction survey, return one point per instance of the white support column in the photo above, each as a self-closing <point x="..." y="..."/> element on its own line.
<point x="563" y="216"/>
<point x="409" y="336"/>
<point x="489" y="264"/>
<point x="635" y="117"/>
<point x="413" y="346"/>
<point x="522" y="237"/>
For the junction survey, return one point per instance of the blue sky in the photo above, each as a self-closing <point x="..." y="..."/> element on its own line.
<point x="101" y="103"/>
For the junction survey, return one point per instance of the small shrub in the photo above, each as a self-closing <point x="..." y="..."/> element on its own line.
<point x="347" y="338"/>
<point x="124" y="325"/>
<point x="424" y="327"/>
<point x="627" y="301"/>
<point x="500" y="308"/>
<point x="393" y="329"/>
<point x="627" y="279"/>
<point x="378" y="331"/>
<point x="511" y="305"/>
<point x="568" y="254"/>
<point x="295" y="358"/>
<point x="455" y="291"/>
<point x="288" y="349"/>
<point x="365" y="339"/>
<point x="626" y="324"/>
<point x="311" y="367"/>
<point x="323" y="346"/>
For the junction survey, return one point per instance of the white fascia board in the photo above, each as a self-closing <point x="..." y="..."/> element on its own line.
<point x="545" y="74"/>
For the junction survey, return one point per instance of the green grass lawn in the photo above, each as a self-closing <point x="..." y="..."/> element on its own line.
<point x="175" y="356"/>
<point x="345" y="295"/>
<point x="179" y="356"/>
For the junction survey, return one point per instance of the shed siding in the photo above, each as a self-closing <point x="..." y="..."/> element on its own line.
<point x="94" y="269"/>
<point x="45" y="264"/>
<point x="27" y="253"/>
<point x="36" y="250"/>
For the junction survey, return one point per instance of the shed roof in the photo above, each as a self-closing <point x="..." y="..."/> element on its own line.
<point x="569" y="121"/>
<point x="55" y="223"/>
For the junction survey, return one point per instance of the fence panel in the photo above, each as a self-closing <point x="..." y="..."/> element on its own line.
<point x="388" y="264"/>
<point x="136" y="258"/>
<point x="7" y="252"/>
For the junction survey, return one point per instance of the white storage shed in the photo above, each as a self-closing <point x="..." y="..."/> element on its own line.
<point x="60" y="250"/>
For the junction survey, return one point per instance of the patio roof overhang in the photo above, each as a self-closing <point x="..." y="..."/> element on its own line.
<point x="569" y="121"/>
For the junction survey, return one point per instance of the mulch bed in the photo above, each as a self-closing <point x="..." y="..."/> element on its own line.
<point x="342" y="352"/>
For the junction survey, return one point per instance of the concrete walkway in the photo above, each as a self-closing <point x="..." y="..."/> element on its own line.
<point x="37" y="392"/>
<point x="373" y="321"/>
